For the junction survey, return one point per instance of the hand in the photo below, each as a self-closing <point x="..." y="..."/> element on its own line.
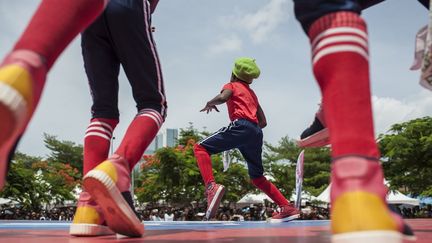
<point x="209" y="108"/>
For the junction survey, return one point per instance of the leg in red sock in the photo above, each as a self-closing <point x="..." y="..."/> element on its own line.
<point x="23" y="71"/>
<point x="340" y="61"/>
<point x="139" y="135"/>
<point x="97" y="142"/>
<point x="341" y="67"/>
<point x="270" y="189"/>
<point x="204" y="163"/>
<point x="287" y="211"/>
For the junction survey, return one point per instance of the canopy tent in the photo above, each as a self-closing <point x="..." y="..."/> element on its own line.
<point x="306" y="197"/>
<point x="7" y="201"/>
<point x="251" y="198"/>
<point x="4" y="201"/>
<point x="393" y="197"/>
<point x="425" y="200"/>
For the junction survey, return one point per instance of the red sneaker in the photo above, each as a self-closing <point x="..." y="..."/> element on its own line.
<point x="22" y="76"/>
<point x="214" y="194"/>
<point x="287" y="213"/>
<point x="108" y="184"/>
<point x="359" y="210"/>
<point x="88" y="219"/>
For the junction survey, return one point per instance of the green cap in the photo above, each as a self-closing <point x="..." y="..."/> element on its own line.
<point x="246" y="69"/>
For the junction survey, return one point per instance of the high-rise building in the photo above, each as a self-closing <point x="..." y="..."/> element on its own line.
<point x="167" y="138"/>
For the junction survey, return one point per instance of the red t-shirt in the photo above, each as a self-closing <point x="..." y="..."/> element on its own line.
<point x="243" y="102"/>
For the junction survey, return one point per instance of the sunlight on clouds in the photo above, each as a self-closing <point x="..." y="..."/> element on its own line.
<point x="388" y="111"/>
<point x="226" y="44"/>
<point x="261" y="23"/>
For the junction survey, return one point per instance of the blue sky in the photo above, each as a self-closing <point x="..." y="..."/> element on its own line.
<point x="197" y="42"/>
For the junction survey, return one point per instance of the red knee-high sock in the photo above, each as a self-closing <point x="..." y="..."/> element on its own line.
<point x="55" y="24"/>
<point x="97" y="142"/>
<point x="204" y="163"/>
<point x="139" y="135"/>
<point x="340" y="62"/>
<point x="270" y="189"/>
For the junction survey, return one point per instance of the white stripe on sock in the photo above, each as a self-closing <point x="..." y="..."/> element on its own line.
<point x="152" y="117"/>
<point x="105" y="131"/>
<point x="340" y="39"/>
<point x="340" y="48"/>
<point x="339" y="30"/>
<point x="101" y="123"/>
<point x="98" y="134"/>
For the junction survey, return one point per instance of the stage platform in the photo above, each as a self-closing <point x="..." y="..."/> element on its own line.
<point x="302" y="231"/>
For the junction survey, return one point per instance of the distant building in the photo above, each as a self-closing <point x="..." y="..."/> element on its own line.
<point x="166" y="138"/>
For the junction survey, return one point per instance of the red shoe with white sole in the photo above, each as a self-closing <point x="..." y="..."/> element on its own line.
<point x="287" y="213"/>
<point x="109" y="184"/>
<point x="214" y="193"/>
<point x="22" y="77"/>
<point x="88" y="219"/>
<point x="359" y="209"/>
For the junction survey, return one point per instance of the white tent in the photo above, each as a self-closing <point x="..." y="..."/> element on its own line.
<point x="393" y="197"/>
<point x="306" y="197"/>
<point x="254" y="198"/>
<point x="7" y="201"/>
<point x="259" y="198"/>
<point x="4" y="201"/>
<point x="325" y="195"/>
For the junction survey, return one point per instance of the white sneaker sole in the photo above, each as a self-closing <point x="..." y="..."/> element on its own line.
<point x="287" y="219"/>
<point x="89" y="230"/>
<point x="118" y="214"/>
<point x="319" y="139"/>
<point x="368" y="237"/>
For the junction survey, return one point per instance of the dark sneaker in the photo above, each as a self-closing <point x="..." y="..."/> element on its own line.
<point x="407" y="233"/>
<point x="316" y="135"/>
<point x="287" y="213"/>
<point x="214" y="194"/>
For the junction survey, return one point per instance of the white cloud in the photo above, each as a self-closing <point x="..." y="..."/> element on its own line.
<point x="226" y="44"/>
<point x="261" y="24"/>
<point x="389" y="111"/>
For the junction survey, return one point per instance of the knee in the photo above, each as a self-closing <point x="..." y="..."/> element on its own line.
<point x="199" y="149"/>
<point x="258" y="181"/>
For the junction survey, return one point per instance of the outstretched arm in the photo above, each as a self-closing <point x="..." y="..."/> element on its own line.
<point x="262" y="122"/>
<point x="219" y="99"/>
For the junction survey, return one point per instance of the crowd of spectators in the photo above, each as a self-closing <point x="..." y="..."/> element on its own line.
<point x="196" y="212"/>
<point x="18" y="213"/>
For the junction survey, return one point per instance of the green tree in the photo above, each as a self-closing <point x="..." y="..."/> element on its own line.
<point x="172" y="174"/>
<point x="23" y="185"/>
<point x="280" y="163"/>
<point x="188" y="134"/>
<point x="59" y="180"/>
<point x="66" y="152"/>
<point x="407" y="156"/>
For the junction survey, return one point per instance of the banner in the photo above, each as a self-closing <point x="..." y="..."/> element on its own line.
<point x="299" y="179"/>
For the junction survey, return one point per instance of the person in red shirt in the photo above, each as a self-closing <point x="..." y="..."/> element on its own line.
<point x="244" y="133"/>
